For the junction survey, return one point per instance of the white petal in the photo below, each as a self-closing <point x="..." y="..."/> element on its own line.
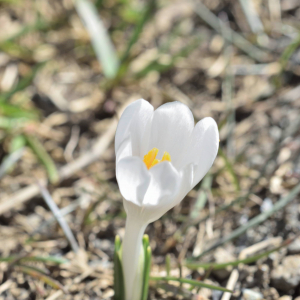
<point x="162" y="191"/>
<point x="134" y="123"/>
<point x="203" y="148"/>
<point x="125" y="150"/>
<point x="187" y="175"/>
<point x="171" y="128"/>
<point x="133" y="179"/>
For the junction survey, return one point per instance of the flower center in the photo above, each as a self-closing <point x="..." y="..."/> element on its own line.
<point x="150" y="158"/>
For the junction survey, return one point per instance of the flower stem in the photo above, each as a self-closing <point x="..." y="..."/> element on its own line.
<point x="132" y="249"/>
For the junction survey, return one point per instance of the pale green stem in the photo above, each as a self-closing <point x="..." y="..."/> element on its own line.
<point x="131" y="251"/>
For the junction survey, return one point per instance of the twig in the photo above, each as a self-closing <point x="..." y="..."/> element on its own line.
<point x="187" y="242"/>
<point x="199" y="240"/>
<point x="252" y="16"/>
<point x="234" y="276"/>
<point x="257" y="69"/>
<point x="58" y="216"/>
<point x="64" y="211"/>
<point x="19" y="197"/>
<point x="276" y="241"/>
<point x="275" y="10"/>
<point x="55" y="295"/>
<point x="5" y="286"/>
<point x="68" y="153"/>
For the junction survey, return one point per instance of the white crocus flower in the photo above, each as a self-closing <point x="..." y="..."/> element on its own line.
<point x="160" y="156"/>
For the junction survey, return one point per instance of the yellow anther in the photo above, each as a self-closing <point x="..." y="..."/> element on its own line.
<point x="155" y="162"/>
<point x="166" y="156"/>
<point x="150" y="158"/>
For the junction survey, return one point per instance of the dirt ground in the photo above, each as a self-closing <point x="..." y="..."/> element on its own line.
<point x="236" y="61"/>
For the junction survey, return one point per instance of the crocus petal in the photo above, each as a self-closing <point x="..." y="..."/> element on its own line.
<point x="203" y="148"/>
<point x="133" y="179"/>
<point x="172" y="126"/>
<point x="162" y="191"/>
<point x="187" y="179"/>
<point x="125" y="149"/>
<point x="134" y="123"/>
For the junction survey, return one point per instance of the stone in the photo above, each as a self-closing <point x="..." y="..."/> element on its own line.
<point x="223" y="256"/>
<point x="294" y="247"/>
<point x="271" y="294"/>
<point x="285" y="297"/>
<point x="286" y="276"/>
<point x="216" y="295"/>
<point x="251" y="295"/>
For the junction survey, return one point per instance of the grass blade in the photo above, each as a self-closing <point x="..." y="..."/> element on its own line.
<point x="118" y="271"/>
<point x="147" y="266"/>
<point x="146" y="15"/>
<point x="14" y="111"/>
<point x="44" y="157"/>
<point x="192" y="282"/>
<point x="288" y="52"/>
<point x="36" y="269"/>
<point x="100" y="39"/>
<point x="34" y="272"/>
<point x="45" y="259"/>
<point x="168" y="264"/>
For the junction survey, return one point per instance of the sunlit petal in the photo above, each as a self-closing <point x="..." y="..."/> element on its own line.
<point x="203" y="147"/>
<point x="135" y="123"/>
<point x="162" y="190"/>
<point x="133" y="179"/>
<point x="171" y="128"/>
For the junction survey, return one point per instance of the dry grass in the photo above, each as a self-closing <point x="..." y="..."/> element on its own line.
<point x="61" y="111"/>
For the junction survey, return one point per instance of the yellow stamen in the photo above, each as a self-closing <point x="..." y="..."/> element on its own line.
<point x="166" y="156"/>
<point x="155" y="162"/>
<point x="150" y="159"/>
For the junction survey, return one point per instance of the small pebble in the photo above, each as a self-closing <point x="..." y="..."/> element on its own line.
<point x="266" y="205"/>
<point x="286" y="276"/>
<point x="285" y="297"/>
<point x="251" y="295"/>
<point x="294" y="247"/>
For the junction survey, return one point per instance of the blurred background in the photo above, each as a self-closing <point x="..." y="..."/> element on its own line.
<point x="68" y="69"/>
